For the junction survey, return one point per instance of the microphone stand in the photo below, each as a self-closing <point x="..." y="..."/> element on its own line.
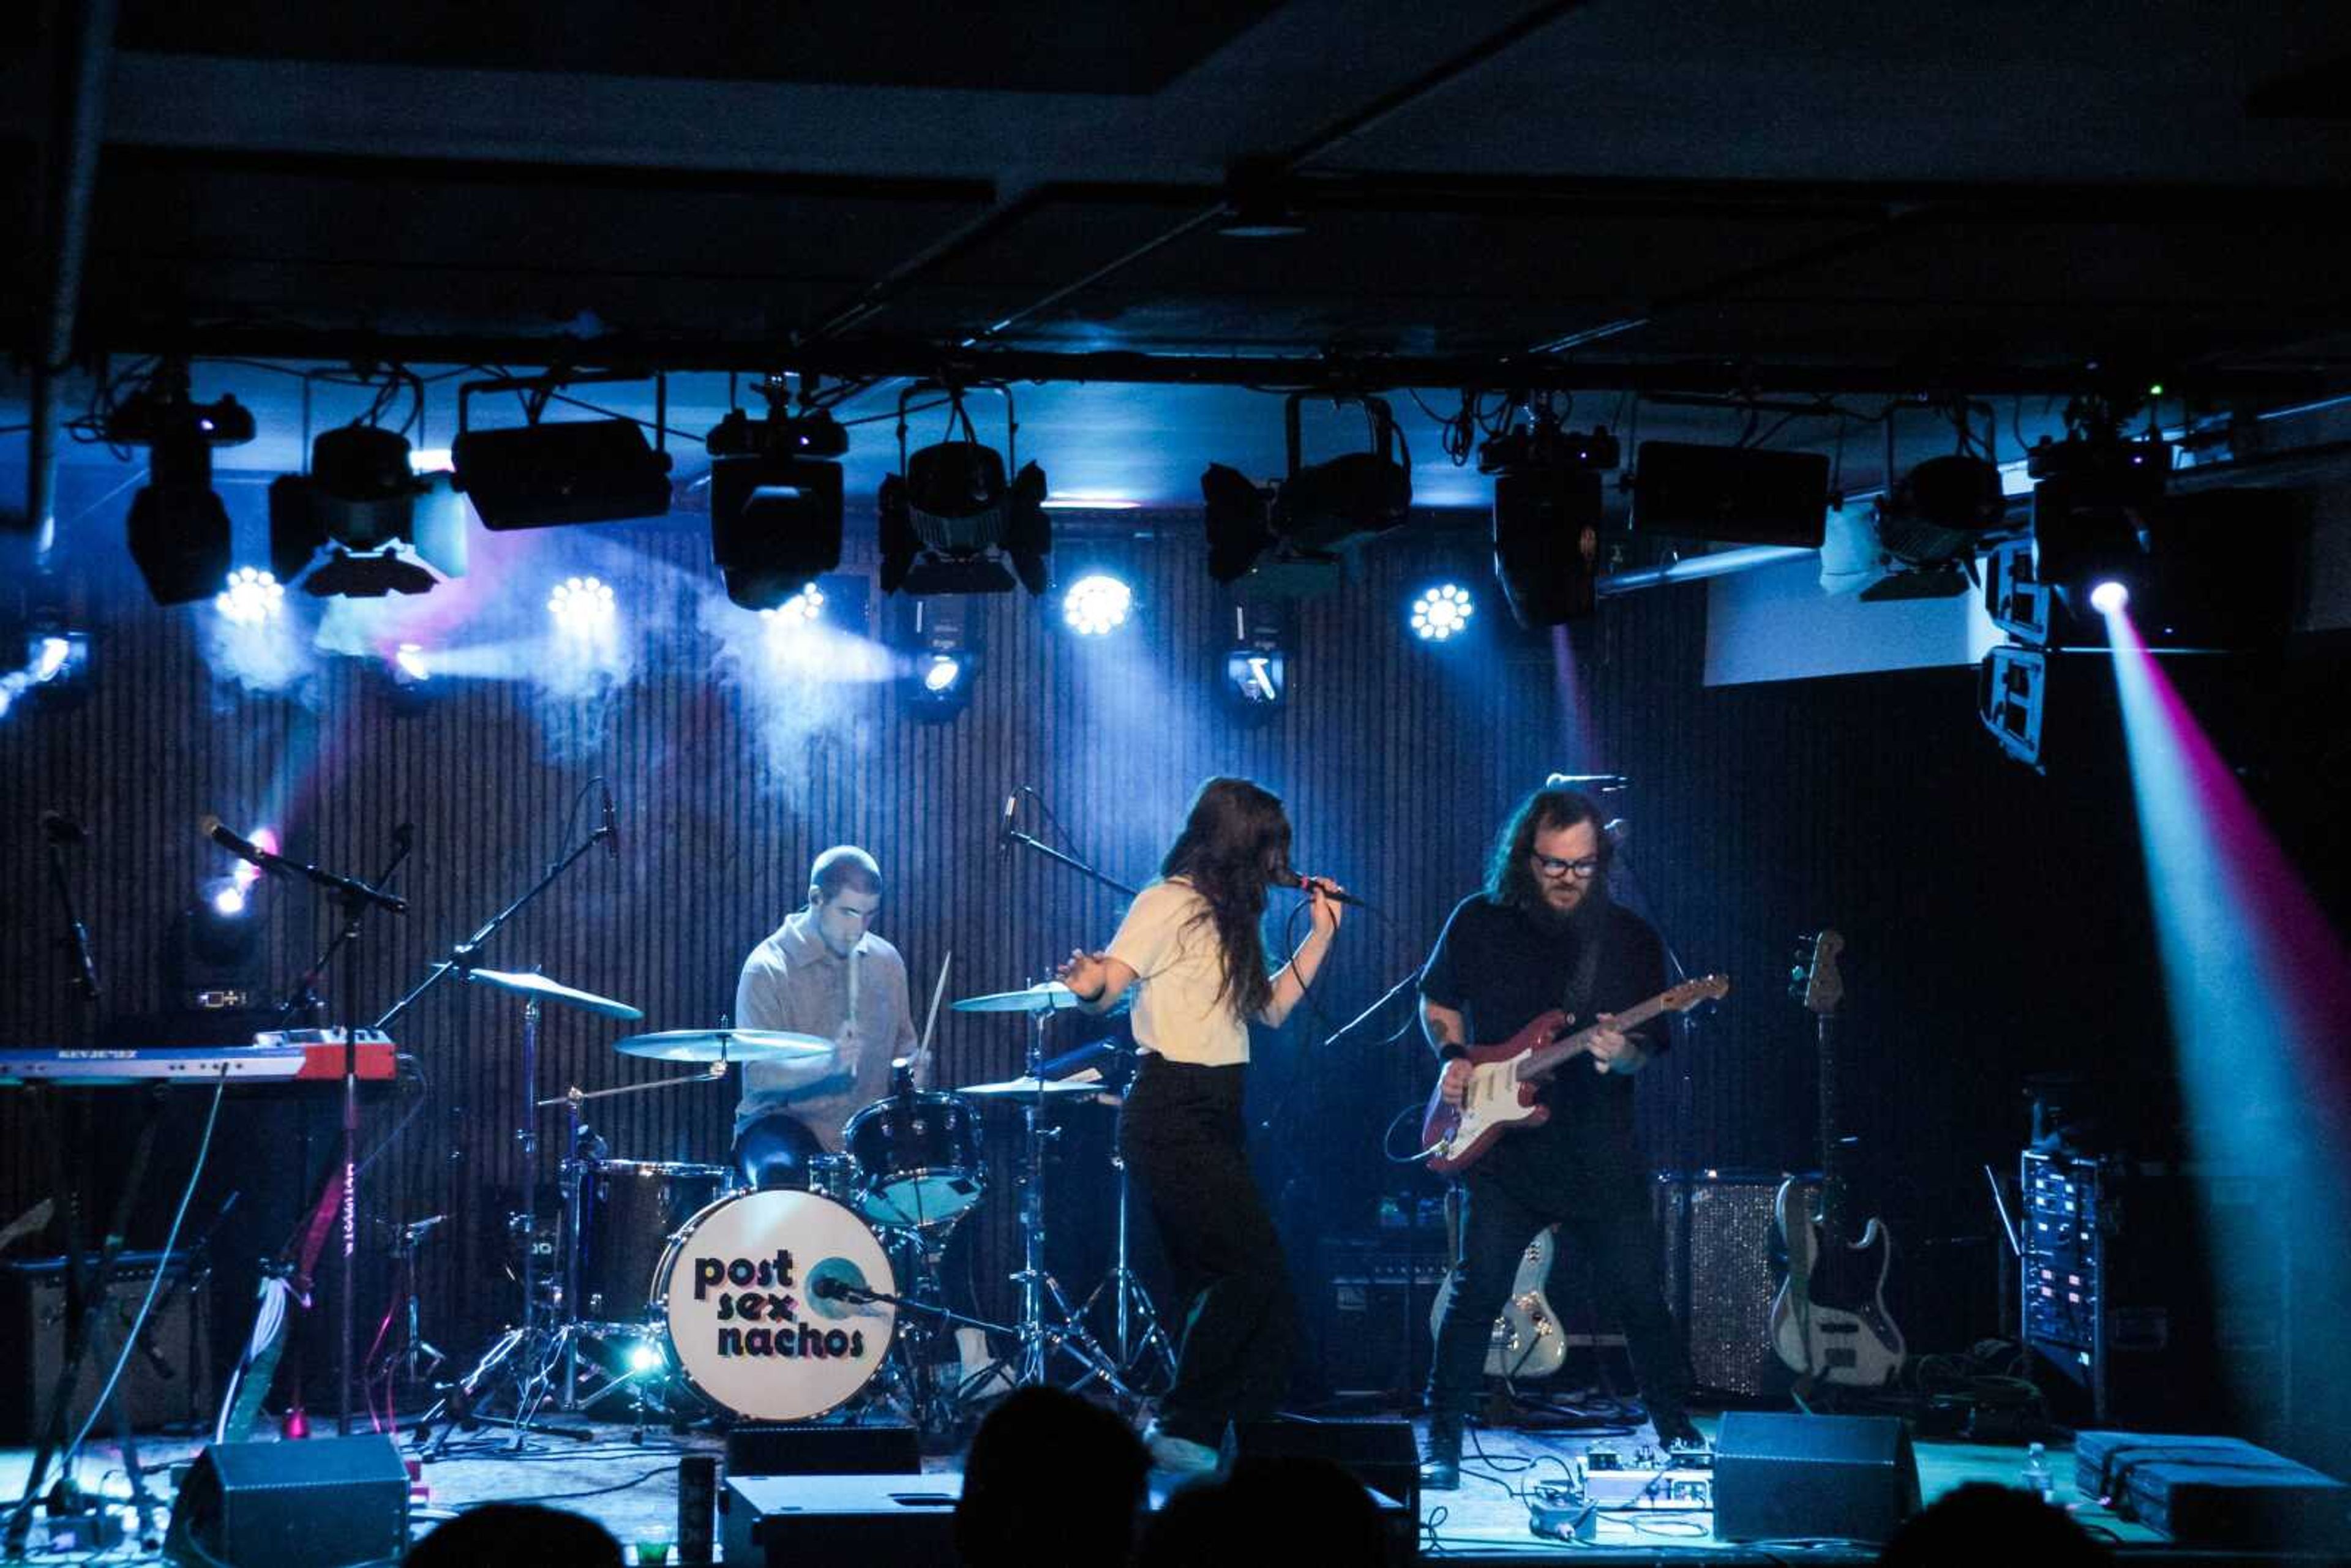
<point x="464" y="955"/>
<point x="304" y="998"/>
<point x="83" y="969"/>
<point x="1028" y="842"/>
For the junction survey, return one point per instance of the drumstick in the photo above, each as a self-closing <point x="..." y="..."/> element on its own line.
<point x="922" y="1050"/>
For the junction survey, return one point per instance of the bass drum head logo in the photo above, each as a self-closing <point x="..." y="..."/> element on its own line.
<point x="747" y="1326"/>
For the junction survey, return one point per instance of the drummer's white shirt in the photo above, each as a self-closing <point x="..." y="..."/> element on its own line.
<point x="1169" y="940"/>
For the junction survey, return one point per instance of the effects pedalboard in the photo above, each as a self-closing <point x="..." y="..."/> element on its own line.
<point x="1607" y="1480"/>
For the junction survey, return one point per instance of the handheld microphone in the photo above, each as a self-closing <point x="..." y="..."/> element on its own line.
<point x="1285" y="877"/>
<point x="1004" y="831"/>
<point x="62" y="828"/>
<point x="243" y="849"/>
<point x="609" y="833"/>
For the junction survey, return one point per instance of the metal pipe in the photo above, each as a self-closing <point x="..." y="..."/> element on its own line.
<point x="76" y="128"/>
<point x="1697" y="567"/>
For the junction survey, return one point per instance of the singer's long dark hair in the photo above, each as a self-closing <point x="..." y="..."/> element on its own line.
<point x="1509" y="876"/>
<point x="1235" y="838"/>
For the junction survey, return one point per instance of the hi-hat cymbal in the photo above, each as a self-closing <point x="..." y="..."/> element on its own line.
<point x="1036" y="1088"/>
<point x="724" y="1045"/>
<point x="1052" y="996"/>
<point x="545" y="989"/>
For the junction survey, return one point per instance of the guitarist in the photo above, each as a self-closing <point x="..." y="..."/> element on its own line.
<point x="1543" y="934"/>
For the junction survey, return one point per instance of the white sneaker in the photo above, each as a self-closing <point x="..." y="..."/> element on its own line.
<point x="1179" y="1456"/>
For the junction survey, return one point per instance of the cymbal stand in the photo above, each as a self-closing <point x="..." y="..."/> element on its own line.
<point x="1046" y="1324"/>
<point x="1140" y="1345"/>
<point x="525" y="1356"/>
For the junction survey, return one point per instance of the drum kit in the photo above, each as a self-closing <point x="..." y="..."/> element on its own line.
<point x="678" y="1290"/>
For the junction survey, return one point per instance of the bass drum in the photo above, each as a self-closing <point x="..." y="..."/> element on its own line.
<point x="742" y="1293"/>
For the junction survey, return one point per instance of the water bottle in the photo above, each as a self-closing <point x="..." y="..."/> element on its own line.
<point x="2039" y="1480"/>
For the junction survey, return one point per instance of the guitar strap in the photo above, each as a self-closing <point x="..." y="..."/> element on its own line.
<point x="1583" y="977"/>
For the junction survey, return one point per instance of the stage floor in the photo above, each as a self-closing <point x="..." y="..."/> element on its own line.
<point x="632" y="1487"/>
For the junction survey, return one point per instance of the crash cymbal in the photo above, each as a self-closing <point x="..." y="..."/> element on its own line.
<point x="1034" y="1088"/>
<point x="724" y="1045"/>
<point x="547" y="991"/>
<point x="1052" y="996"/>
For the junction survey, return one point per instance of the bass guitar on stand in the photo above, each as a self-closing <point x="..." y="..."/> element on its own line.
<point x="1829" y="1322"/>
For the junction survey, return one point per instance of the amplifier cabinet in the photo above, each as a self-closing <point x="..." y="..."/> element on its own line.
<point x="169" y="1379"/>
<point x="1722" y="1269"/>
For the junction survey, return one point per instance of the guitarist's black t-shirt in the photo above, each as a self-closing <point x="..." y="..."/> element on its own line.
<point x="1502" y="968"/>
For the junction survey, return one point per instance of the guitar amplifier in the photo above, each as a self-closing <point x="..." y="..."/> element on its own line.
<point x="1375" y="1296"/>
<point x="168" y="1381"/>
<point x="1722" y="1269"/>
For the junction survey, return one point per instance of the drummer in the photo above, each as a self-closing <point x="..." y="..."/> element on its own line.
<point x="823" y="972"/>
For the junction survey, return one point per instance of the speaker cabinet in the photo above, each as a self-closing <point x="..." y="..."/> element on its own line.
<point x="1720" y="1276"/>
<point x="882" y="1449"/>
<point x="167" y="1380"/>
<point x="1780" y="1477"/>
<point x="321" y="1503"/>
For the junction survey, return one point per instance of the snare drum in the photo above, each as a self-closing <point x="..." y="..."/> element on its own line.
<point x="834" y="1177"/>
<point x="625" y="1214"/>
<point x="918" y="1158"/>
<point x="742" y="1293"/>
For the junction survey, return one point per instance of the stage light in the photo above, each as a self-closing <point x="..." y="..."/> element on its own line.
<point x="2108" y="597"/>
<point x="1734" y="495"/>
<point x="178" y="530"/>
<point x="584" y="607"/>
<point x="362" y="522"/>
<point x="228" y="901"/>
<point x="938" y="637"/>
<point x="252" y="597"/>
<point x="1547" y="516"/>
<point x="644" y="1356"/>
<point x="1285" y="538"/>
<point x="949" y="518"/>
<point x="564" y="472"/>
<point x="805" y="606"/>
<point x="1097" y="604"/>
<point x="1442" y="613"/>
<point x="1930" y="528"/>
<point x="1255" y="677"/>
<point x="409" y="660"/>
<point x="775" y="500"/>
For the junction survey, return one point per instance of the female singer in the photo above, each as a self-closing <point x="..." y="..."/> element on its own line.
<point x="1191" y="949"/>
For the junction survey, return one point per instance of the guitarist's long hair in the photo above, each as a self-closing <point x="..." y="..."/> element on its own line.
<point x="1235" y="838"/>
<point x="1509" y="875"/>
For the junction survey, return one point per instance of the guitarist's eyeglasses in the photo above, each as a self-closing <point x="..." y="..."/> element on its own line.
<point x="1583" y="870"/>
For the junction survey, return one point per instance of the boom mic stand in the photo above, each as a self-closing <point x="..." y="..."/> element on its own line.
<point x="354" y="897"/>
<point x="457" y="1402"/>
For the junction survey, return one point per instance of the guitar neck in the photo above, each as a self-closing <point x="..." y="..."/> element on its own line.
<point x="1545" y="1059"/>
<point x="1833" y="1153"/>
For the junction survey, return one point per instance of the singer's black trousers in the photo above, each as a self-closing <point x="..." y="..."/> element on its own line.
<point x="1235" y="1321"/>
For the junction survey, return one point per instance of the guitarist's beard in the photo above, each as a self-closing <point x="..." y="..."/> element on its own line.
<point x="1581" y="922"/>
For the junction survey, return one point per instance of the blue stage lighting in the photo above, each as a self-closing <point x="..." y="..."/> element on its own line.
<point x="1097" y="604"/>
<point x="2108" y="597"/>
<point x="1443" y="613"/>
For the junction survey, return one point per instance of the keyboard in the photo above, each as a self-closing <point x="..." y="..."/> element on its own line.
<point x="289" y="1056"/>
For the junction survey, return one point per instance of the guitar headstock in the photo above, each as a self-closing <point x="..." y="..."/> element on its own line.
<point x="1815" y="981"/>
<point x="1692" y="993"/>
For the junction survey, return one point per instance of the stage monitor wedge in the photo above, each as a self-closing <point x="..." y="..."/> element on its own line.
<point x="1806" y="1476"/>
<point x="322" y="1503"/>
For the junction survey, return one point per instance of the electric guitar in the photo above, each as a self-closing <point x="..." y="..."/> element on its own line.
<point x="1829" y="1321"/>
<point x="1527" y="1341"/>
<point x="1504" y="1079"/>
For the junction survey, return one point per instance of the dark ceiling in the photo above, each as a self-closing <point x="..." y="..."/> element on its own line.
<point x="1844" y="195"/>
